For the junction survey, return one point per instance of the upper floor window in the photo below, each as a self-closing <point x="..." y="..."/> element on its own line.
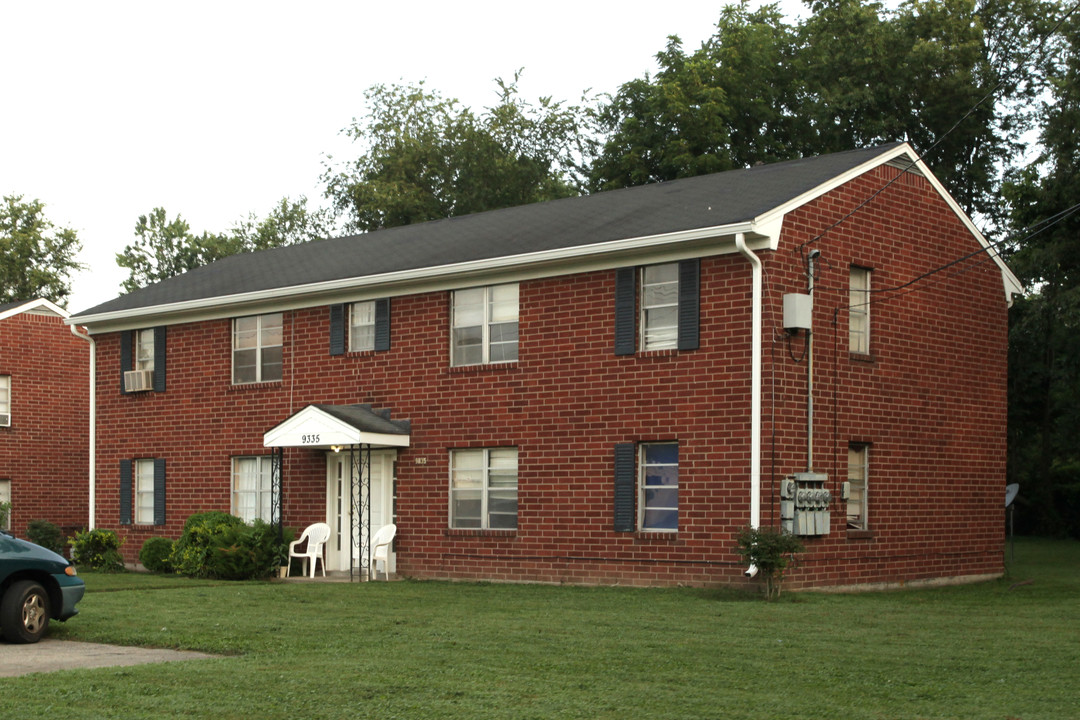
<point x="142" y="360"/>
<point x="5" y="400"/>
<point x="483" y="488"/>
<point x="857" y="477"/>
<point x="252" y="488"/>
<point x="484" y="325"/>
<point x="859" y="311"/>
<point x="657" y="307"/>
<point x="256" y="348"/>
<point x="362" y="326"/>
<point x="144" y="349"/>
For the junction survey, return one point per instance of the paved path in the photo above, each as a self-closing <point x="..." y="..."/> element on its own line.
<point x="51" y="655"/>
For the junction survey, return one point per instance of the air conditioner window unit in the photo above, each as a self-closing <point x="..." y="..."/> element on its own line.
<point x="138" y="380"/>
<point x="5" y="420"/>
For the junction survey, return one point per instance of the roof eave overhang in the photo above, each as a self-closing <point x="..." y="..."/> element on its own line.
<point x="316" y="429"/>
<point x="760" y="234"/>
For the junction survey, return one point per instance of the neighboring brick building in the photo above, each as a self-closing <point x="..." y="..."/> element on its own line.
<point x="44" y="416"/>
<point x="568" y="391"/>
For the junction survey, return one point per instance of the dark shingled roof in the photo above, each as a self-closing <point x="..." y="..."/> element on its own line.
<point x="678" y="205"/>
<point x="364" y="419"/>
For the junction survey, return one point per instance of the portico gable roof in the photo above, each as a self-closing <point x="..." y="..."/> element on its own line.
<point x="330" y="426"/>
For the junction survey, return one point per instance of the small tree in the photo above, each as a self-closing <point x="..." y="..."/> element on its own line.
<point x="771" y="551"/>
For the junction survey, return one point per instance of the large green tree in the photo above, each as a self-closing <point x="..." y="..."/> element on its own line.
<point x="1044" y="383"/>
<point x="37" y="258"/>
<point x="164" y="248"/>
<point x="426" y="157"/>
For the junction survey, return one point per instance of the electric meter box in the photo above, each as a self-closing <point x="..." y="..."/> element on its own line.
<point x="804" y="509"/>
<point x="798" y="312"/>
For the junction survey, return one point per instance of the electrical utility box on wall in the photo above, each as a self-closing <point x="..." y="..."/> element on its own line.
<point x="804" y="504"/>
<point x="798" y="312"/>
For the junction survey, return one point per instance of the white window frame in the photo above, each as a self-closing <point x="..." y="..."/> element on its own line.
<point x="143" y="470"/>
<point x="488" y="475"/>
<point x="259" y="339"/>
<point x="251" y="503"/>
<point x="858" y="478"/>
<point x="859" y="311"/>
<point x="655" y="487"/>
<point x="144" y="349"/>
<point x="659" y="319"/>
<point x="362" y="326"/>
<point x="5" y="496"/>
<point x="5" y="400"/>
<point x="486" y="314"/>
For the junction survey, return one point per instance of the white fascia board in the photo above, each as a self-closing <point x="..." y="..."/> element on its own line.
<point x="41" y="304"/>
<point x="583" y="258"/>
<point x="314" y="428"/>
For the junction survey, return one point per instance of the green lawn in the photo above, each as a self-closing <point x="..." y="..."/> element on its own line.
<point x="441" y="650"/>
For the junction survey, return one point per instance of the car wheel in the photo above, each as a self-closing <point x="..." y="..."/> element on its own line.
<point x="24" y="613"/>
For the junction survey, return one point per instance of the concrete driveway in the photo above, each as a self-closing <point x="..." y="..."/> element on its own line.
<point x="52" y="655"/>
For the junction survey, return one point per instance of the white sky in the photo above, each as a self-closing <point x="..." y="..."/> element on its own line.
<point x="214" y="110"/>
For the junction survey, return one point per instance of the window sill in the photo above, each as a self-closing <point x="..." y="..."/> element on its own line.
<point x="473" y="532"/>
<point x="657" y="535"/>
<point x="862" y="358"/>
<point x="860" y="534"/>
<point x="484" y="367"/>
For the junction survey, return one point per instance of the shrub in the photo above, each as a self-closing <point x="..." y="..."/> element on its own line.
<point x="98" y="549"/>
<point x="45" y="534"/>
<point x="219" y="545"/>
<point x="771" y="551"/>
<point x="155" y="553"/>
<point x="5" y="513"/>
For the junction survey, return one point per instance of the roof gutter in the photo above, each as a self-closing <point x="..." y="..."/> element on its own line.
<point x="92" y="497"/>
<point x="755" y="387"/>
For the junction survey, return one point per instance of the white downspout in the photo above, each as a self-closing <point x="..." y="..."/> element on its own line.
<point x="755" y="388"/>
<point x="93" y="425"/>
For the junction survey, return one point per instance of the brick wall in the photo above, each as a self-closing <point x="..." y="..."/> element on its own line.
<point x="44" y="453"/>
<point x="930" y="399"/>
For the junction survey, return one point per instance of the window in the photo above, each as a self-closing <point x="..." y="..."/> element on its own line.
<point x="647" y="498"/>
<point x="362" y="326"/>
<point x="859" y="311"/>
<point x="668" y="311"/>
<point x="5" y="504"/>
<point x="5" y="400"/>
<point x="144" y="349"/>
<point x="483" y="489"/>
<point x="145" y="480"/>
<point x="857" y="476"/>
<point x="257" y="348"/>
<point x="142" y="360"/>
<point x="252" y="484"/>
<point x="484" y="325"/>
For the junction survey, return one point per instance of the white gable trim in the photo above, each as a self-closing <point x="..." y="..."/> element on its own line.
<point x="315" y="428"/>
<point x="40" y="306"/>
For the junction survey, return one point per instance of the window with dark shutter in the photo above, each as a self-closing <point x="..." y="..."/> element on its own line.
<point x="625" y="311"/>
<point x="382" y="324"/>
<point x="125" y="492"/>
<point x="125" y="358"/>
<point x="159" y="359"/>
<point x="625" y="489"/>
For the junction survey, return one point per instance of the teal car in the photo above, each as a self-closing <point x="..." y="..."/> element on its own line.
<point x="36" y="586"/>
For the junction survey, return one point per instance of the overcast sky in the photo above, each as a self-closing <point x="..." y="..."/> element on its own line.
<point x="214" y="110"/>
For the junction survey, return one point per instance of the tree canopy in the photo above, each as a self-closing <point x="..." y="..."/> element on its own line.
<point x="37" y="258"/>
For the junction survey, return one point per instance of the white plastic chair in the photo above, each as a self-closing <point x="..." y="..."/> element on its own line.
<point x="316" y="536"/>
<point x="380" y="550"/>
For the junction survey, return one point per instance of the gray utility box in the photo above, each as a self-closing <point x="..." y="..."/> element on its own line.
<point x="805" y="503"/>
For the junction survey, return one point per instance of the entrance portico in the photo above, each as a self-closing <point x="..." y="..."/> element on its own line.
<point x="360" y="445"/>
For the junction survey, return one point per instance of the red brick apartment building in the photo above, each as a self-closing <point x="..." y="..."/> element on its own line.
<point x="602" y="389"/>
<point x="44" y="416"/>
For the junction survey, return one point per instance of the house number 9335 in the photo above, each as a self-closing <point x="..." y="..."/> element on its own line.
<point x="309" y="439"/>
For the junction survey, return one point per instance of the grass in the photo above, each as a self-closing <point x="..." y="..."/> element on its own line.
<point x="440" y="650"/>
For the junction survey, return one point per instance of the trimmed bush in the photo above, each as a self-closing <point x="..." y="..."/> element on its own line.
<point x="219" y="545"/>
<point x="98" y="549"/>
<point x="771" y="551"/>
<point x="45" y="534"/>
<point x="155" y="554"/>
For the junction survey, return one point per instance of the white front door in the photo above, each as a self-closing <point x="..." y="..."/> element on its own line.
<point x="339" y="509"/>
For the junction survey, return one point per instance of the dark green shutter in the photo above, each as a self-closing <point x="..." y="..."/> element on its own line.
<point x="125" y="357"/>
<point x="125" y="492"/>
<point x="159" y="359"/>
<point x="337" y="329"/>
<point x="625" y="487"/>
<point x="625" y="311"/>
<point x="159" y="491"/>
<point x="689" y="304"/>
<point x="382" y="324"/>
